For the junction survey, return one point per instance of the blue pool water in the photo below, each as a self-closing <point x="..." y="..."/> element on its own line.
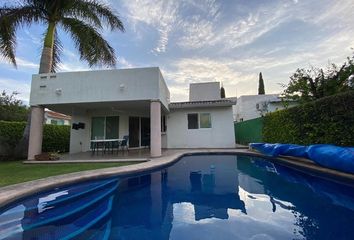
<point x="199" y="197"/>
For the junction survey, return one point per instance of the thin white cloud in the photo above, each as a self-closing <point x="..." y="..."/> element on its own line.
<point x="72" y="67"/>
<point x="160" y="14"/>
<point x="124" y="63"/>
<point x="21" y="63"/>
<point x="12" y="85"/>
<point x="203" y="32"/>
<point x="166" y="17"/>
<point x="26" y="64"/>
<point x="186" y="71"/>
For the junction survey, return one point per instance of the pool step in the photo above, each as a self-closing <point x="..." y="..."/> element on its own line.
<point x="59" y="211"/>
<point x="70" y="210"/>
<point x="55" y="199"/>
<point x="76" y="228"/>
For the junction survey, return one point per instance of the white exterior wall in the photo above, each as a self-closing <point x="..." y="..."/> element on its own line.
<point x="246" y="107"/>
<point x="84" y="135"/>
<point x="99" y="86"/>
<point x="220" y="135"/>
<point x="204" y="91"/>
<point x="164" y="93"/>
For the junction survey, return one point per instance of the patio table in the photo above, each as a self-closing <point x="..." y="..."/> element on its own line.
<point x="96" y="142"/>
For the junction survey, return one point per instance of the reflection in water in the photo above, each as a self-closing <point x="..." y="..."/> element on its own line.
<point x="229" y="197"/>
<point x="199" y="197"/>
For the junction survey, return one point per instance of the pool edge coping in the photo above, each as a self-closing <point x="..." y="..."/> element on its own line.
<point x="11" y="193"/>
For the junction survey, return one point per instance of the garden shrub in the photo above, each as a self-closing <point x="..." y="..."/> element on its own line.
<point x="11" y="133"/>
<point x="55" y="138"/>
<point x="329" y="120"/>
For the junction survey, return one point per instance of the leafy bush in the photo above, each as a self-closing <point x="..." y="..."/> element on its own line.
<point x="55" y="138"/>
<point x="13" y="113"/>
<point x="328" y="120"/>
<point x="11" y="108"/>
<point x="11" y="133"/>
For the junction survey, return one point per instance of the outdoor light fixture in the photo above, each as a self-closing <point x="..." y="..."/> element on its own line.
<point x="58" y="91"/>
<point x="122" y="87"/>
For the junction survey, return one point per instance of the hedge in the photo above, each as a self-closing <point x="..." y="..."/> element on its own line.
<point x="329" y="120"/>
<point x="55" y="138"/>
<point x="11" y="133"/>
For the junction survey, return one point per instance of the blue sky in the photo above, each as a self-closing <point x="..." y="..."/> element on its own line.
<point x="230" y="41"/>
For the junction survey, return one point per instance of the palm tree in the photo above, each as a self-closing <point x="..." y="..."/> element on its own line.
<point x="81" y="19"/>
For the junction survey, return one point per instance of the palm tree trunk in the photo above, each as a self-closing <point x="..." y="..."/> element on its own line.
<point x="28" y="140"/>
<point x="47" y="52"/>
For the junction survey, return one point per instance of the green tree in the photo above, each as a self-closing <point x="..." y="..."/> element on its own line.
<point x="11" y="108"/>
<point x="310" y="84"/>
<point x="81" y="19"/>
<point x="261" y="90"/>
<point x="222" y="92"/>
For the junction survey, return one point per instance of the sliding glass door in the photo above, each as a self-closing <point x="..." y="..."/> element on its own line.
<point x="105" y="127"/>
<point x="134" y="126"/>
<point x="139" y="131"/>
<point x="112" y="127"/>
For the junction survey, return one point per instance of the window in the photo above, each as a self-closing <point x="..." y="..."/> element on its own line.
<point x="97" y="128"/>
<point x="105" y="127"/>
<point x="163" y="124"/>
<point x="205" y="120"/>
<point x="112" y="124"/>
<point x="201" y="120"/>
<point x="193" y="121"/>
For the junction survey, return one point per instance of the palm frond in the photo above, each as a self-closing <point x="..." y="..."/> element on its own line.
<point x="10" y="19"/>
<point x="97" y="11"/>
<point x="91" y="45"/>
<point x="57" y="50"/>
<point x="7" y="41"/>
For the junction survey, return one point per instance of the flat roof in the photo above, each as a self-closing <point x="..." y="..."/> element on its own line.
<point x="209" y="103"/>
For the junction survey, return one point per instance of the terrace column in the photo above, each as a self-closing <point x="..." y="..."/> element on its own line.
<point x="155" y="128"/>
<point x="36" y="132"/>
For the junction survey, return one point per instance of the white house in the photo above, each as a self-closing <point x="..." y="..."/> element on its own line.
<point x="253" y="106"/>
<point x="55" y="118"/>
<point x="111" y="104"/>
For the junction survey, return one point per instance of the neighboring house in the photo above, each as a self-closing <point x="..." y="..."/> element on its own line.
<point x="110" y="104"/>
<point x="56" y="118"/>
<point x="254" y="106"/>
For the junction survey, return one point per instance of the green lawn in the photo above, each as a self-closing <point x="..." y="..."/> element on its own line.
<point x="17" y="172"/>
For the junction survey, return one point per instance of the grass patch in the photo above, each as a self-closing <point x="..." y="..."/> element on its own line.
<point x="13" y="172"/>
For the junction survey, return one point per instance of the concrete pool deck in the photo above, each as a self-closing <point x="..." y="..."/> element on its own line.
<point x="14" y="192"/>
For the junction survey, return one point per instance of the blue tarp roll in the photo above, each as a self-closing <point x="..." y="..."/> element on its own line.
<point x="339" y="158"/>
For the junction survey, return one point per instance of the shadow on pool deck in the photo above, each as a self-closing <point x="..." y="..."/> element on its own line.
<point x="142" y="154"/>
<point x="133" y="155"/>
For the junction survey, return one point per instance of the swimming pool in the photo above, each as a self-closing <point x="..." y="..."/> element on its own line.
<point x="198" y="197"/>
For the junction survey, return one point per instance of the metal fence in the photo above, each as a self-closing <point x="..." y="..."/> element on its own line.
<point x="249" y="131"/>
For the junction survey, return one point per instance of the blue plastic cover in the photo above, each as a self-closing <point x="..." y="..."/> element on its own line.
<point x="339" y="158"/>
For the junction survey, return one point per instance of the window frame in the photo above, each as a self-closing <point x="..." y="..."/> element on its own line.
<point x="104" y="125"/>
<point x="163" y="124"/>
<point x="197" y="123"/>
<point x="210" y="121"/>
<point x="198" y="120"/>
